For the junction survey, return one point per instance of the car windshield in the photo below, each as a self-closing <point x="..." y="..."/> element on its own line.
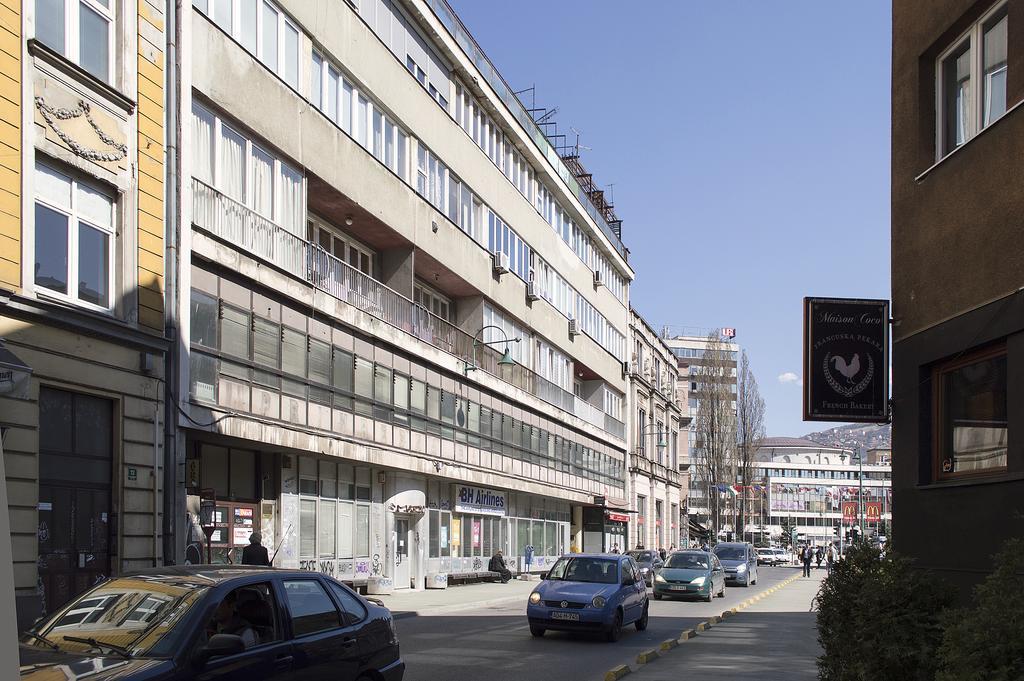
<point x="691" y="561"/>
<point x="583" y="569"/>
<point x="640" y="556"/>
<point x="131" y="613"/>
<point x="729" y="552"/>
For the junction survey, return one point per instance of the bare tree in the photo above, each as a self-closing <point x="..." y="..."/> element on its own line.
<point x="716" y="423"/>
<point x="749" y="432"/>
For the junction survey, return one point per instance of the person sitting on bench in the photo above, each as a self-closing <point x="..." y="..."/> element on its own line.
<point x="497" y="564"/>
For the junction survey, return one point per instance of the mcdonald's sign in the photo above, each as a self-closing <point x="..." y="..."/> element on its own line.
<point x="873" y="511"/>
<point x="849" y="512"/>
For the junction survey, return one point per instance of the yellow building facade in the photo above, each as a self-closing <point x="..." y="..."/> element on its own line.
<point x="82" y="277"/>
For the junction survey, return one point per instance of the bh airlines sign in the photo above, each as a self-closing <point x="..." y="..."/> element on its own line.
<point x="469" y="499"/>
<point x="846" y="360"/>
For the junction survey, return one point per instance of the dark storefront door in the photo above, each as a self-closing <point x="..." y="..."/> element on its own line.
<point x="75" y="513"/>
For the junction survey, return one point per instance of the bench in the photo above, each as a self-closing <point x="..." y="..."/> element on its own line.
<point x="473" y="577"/>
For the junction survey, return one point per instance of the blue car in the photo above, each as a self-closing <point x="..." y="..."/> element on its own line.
<point x="740" y="562"/>
<point x="590" y="592"/>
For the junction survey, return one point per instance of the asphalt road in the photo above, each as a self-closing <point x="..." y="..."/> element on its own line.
<point x="495" y="643"/>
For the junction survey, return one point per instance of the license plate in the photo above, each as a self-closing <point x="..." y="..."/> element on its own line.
<point x="571" y="616"/>
<point x="678" y="588"/>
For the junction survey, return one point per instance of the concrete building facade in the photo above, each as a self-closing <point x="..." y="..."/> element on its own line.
<point x="958" y="328"/>
<point x="658" y="458"/>
<point x="405" y="320"/>
<point x="82" y="246"/>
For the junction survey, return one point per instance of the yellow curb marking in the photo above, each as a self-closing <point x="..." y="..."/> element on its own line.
<point x="647" y="656"/>
<point x="703" y="626"/>
<point x="669" y="644"/>
<point x="616" y="673"/>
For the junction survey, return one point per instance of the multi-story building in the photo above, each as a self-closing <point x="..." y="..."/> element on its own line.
<point x="655" y="483"/>
<point x="958" y="327"/>
<point x="804" y="484"/>
<point x="405" y="318"/>
<point x="689" y="346"/>
<point x="82" y="172"/>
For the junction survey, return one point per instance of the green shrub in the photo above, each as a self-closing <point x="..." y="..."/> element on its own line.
<point x="879" y="619"/>
<point x="986" y="642"/>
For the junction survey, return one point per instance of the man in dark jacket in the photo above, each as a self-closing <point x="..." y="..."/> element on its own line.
<point x="497" y="564"/>
<point x="255" y="553"/>
<point x="808" y="555"/>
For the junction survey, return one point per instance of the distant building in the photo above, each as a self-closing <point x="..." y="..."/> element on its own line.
<point x="958" y="301"/>
<point x="806" y="483"/>
<point x="689" y="345"/>
<point x="655" y="484"/>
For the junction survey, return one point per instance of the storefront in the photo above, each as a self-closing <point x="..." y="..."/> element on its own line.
<point x="604" y="530"/>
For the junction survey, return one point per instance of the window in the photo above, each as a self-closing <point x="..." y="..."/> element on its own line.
<point x="81" y="30"/>
<point x="352" y="610"/>
<point x="311" y="609"/>
<point x="971" y="81"/>
<point x="433" y="301"/>
<point x="74" y="239"/>
<point x="970" y="414"/>
<point x="340" y="245"/>
<point x="261" y="28"/>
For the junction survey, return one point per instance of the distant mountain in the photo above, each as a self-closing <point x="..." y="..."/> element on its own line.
<point x="856" y="436"/>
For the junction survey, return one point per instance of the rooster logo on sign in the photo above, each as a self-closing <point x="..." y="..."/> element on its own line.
<point x="848" y="371"/>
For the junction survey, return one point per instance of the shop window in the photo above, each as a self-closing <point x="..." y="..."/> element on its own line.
<point x="308" y="483"/>
<point x="213" y="469"/>
<point x="307" y="528"/>
<point x="346" y="481"/>
<point x="363" y="484"/>
<point x="345" y="529"/>
<point x="242" y="474"/>
<point x="435" y="534"/>
<point x="970" y="414"/>
<point x="362" y="530"/>
<point x="328" y="479"/>
<point x="311" y="609"/>
<point x="327" y="529"/>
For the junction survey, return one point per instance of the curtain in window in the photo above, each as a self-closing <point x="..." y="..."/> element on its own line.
<point x="262" y="182"/>
<point x="293" y="207"/>
<point x="202" y="144"/>
<point x="232" y="164"/>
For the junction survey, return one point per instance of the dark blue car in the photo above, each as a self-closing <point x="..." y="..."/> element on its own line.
<point x="215" y="622"/>
<point x="590" y="592"/>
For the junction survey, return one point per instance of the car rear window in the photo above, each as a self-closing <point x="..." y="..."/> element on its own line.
<point x="312" y="610"/>
<point x="730" y="553"/>
<point x="352" y="608"/>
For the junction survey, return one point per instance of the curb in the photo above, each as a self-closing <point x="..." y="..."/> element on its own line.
<point x="403" y="614"/>
<point x="648" y="656"/>
<point x="616" y="673"/>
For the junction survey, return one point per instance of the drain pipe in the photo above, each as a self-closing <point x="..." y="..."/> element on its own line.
<point x="172" y="241"/>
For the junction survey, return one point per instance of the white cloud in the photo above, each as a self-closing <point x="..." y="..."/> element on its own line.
<point x="790" y="377"/>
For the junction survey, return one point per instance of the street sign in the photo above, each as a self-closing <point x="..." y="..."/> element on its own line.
<point x="846" y="360"/>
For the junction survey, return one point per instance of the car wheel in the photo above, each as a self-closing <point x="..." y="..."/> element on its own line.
<point x="657" y="596"/>
<point x="615" y="632"/>
<point x="641" y="623"/>
<point x="537" y="631"/>
<point x="707" y="599"/>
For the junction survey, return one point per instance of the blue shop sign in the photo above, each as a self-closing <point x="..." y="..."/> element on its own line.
<point x="470" y="499"/>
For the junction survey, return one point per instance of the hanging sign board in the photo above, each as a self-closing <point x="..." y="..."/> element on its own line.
<point x="846" y="360"/>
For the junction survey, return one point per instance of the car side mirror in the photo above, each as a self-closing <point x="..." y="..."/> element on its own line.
<point x="543" y="575"/>
<point x="220" y="645"/>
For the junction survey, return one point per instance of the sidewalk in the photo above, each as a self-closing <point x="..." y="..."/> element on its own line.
<point x="775" y="638"/>
<point x="454" y="598"/>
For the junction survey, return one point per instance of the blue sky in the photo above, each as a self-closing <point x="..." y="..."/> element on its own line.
<point x="748" y="144"/>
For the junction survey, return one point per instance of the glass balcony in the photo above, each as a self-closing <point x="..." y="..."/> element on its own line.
<point x="229" y="220"/>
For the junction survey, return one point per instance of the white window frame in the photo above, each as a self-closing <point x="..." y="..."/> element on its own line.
<point x="351" y="243"/>
<point x="71" y="213"/>
<point x="72" y="38"/>
<point x="975" y="35"/>
<point x="282" y="20"/>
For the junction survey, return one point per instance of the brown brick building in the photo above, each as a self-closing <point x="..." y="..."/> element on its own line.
<point x="957" y="275"/>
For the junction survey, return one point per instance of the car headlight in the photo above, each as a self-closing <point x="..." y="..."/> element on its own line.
<point x="699" y="581"/>
<point x="658" y="577"/>
<point x="598" y="602"/>
<point x="741" y="568"/>
<point x="535" y="598"/>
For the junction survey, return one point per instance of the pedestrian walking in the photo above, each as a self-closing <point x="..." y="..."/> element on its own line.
<point x="662" y="553"/>
<point x="255" y="553"/>
<point x="831" y="554"/>
<point x="528" y="556"/>
<point x="615" y="548"/>
<point x="808" y="554"/>
<point x="818" y="555"/>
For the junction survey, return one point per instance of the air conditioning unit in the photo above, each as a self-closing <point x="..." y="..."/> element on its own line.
<point x="531" y="291"/>
<point x="500" y="261"/>
<point x="597" y="278"/>
<point x="574" y="328"/>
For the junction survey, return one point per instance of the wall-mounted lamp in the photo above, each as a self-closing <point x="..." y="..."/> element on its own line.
<point x="506" y="357"/>
<point x="348" y="220"/>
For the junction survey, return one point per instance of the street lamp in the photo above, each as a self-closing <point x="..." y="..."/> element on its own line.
<point x="506" y="357"/>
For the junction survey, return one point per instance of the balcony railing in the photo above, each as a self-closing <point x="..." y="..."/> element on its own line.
<point x="469" y="45"/>
<point x="226" y="218"/>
